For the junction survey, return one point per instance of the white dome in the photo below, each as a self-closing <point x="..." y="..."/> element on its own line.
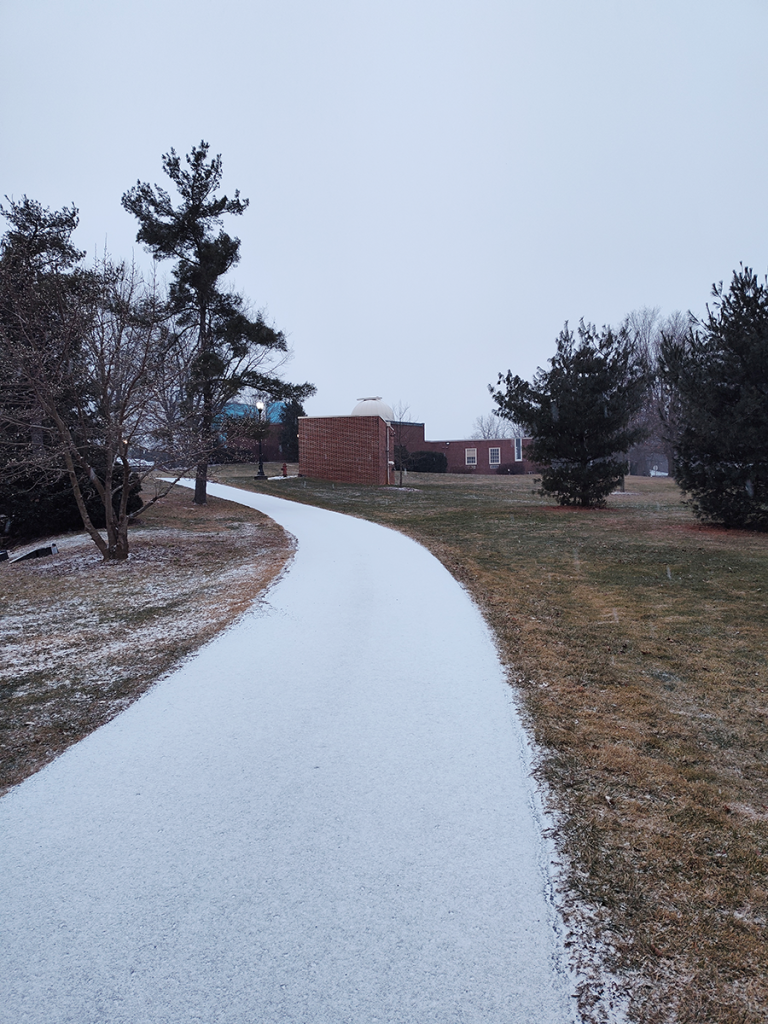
<point x="373" y="407"/>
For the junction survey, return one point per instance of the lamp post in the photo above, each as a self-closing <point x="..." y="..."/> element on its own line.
<point x="261" y="475"/>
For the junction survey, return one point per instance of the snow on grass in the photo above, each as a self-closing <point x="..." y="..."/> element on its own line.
<point x="82" y="638"/>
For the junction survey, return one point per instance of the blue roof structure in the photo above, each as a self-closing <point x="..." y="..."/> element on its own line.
<point x="272" y="412"/>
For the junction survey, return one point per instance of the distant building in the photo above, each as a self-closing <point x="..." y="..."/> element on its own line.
<point x="360" y="448"/>
<point x="271" y="414"/>
<point x="476" y="456"/>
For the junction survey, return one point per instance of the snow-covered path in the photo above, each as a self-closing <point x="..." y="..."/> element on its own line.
<point x="324" y="817"/>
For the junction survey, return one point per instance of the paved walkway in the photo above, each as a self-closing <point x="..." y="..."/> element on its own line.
<point x="324" y="817"/>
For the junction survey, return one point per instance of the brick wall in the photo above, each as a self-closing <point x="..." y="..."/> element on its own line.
<point x="456" y="453"/>
<point x="349" y="449"/>
<point x="412" y="436"/>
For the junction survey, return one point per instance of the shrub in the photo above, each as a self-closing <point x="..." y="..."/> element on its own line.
<point x="29" y="509"/>
<point x="428" y="462"/>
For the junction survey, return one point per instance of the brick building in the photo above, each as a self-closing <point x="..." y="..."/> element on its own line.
<point x="355" y="449"/>
<point x="360" y="448"/>
<point x="476" y="456"/>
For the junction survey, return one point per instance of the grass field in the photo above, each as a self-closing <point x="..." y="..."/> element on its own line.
<point x="636" y="640"/>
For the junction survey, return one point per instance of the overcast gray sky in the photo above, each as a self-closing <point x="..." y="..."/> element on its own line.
<point x="435" y="185"/>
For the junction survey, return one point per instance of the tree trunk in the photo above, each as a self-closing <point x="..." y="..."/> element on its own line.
<point x="117" y="551"/>
<point x="201" y="482"/>
<point x="201" y="476"/>
<point x="118" y="546"/>
<point x="95" y="536"/>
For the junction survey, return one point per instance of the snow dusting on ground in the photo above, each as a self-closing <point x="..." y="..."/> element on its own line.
<point x="324" y="816"/>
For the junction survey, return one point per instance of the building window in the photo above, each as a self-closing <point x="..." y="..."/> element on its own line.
<point x="494" y="456"/>
<point x="470" y="456"/>
<point x="518" y="449"/>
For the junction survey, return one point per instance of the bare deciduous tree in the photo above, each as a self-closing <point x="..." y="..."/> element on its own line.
<point x="649" y="329"/>
<point x="399" y="429"/>
<point x="492" y="428"/>
<point x="84" y="353"/>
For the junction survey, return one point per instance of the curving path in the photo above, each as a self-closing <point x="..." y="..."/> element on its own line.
<point x="323" y="817"/>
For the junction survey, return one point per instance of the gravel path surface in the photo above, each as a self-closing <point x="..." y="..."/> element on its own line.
<point x="324" y="816"/>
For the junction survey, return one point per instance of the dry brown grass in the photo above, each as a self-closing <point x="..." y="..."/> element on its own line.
<point x="637" y="642"/>
<point x="81" y="639"/>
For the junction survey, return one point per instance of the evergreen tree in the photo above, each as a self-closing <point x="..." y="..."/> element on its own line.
<point x="717" y="379"/>
<point x="580" y="412"/>
<point x="289" y="429"/>
<point x="40" y="293"/>
<point x="231" y="345"/>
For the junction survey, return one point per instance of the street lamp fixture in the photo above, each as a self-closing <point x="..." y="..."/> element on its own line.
<point x="261" y="475"/>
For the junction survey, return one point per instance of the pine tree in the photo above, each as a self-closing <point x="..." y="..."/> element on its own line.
<point x="580" y="412"/>
<point x="717" y="379"/>
<point x="230" y="344"/>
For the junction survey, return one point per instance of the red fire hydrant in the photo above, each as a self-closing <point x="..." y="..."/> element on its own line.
<point x="285" y="469"/>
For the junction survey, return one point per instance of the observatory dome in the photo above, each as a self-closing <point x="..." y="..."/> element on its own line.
<point x="373" y="407"/>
